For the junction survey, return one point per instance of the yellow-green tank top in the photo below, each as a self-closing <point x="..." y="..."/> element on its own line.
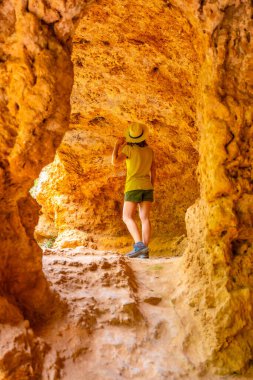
<point x="138" y="163"/>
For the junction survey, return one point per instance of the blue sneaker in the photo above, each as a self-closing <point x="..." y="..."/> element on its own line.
<point x="139" y="250"/>
<point x="143" y="256"/>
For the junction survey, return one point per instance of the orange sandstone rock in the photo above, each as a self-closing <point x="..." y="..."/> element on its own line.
<point x="35" y="82"/>
<point x="217" y="260"/>
<point x="130" y="68"/>
<point x="36" y="77"/>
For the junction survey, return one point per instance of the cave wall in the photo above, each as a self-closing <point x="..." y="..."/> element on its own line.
<point x="129" y="69"/>
<point x="36" y="77"/>
<point x="218" y="261"/>
<point x="34" y="45"/>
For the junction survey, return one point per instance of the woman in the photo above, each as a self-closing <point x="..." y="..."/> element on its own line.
<point x="139" y="185"/>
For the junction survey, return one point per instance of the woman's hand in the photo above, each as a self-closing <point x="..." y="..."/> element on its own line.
<point x="120" y="141"/>
<point x="116" y="157"/>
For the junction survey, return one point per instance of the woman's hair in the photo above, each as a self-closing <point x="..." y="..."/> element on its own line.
<point x="141" y="144"/>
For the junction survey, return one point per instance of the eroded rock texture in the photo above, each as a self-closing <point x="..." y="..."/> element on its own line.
<point x="141" y="62"/>
<point x="36" y="77"/>
<point x="35" y="84"/>
<point x="218" y="261"/>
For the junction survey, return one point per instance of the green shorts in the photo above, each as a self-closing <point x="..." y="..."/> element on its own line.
<point x="139" y="196"/>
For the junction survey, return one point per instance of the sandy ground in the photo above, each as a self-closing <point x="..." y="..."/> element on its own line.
<point x="116" y="319"/>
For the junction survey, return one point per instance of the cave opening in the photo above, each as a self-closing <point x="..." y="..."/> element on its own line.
<point x="134" y="62"/>
<point x="181" y="315"/>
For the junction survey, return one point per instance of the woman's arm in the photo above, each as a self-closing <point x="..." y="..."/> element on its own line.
<point x="117" y="157"/>
<point x="153" y="172"/>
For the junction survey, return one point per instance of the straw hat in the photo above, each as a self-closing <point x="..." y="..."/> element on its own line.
<point x="136" y="132"/>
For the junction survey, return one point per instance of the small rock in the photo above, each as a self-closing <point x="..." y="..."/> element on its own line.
<point x="153" y="300"/>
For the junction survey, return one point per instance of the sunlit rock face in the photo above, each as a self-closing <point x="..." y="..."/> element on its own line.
<point x="35" y="84"/>
<point x="36" y="78"/>
<point x="132" y="61"/>
<point x="218" y="261"/>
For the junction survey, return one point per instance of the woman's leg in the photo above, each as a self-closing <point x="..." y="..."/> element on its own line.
<point x="144" y="211"/>
<point x="129" y="210"/>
